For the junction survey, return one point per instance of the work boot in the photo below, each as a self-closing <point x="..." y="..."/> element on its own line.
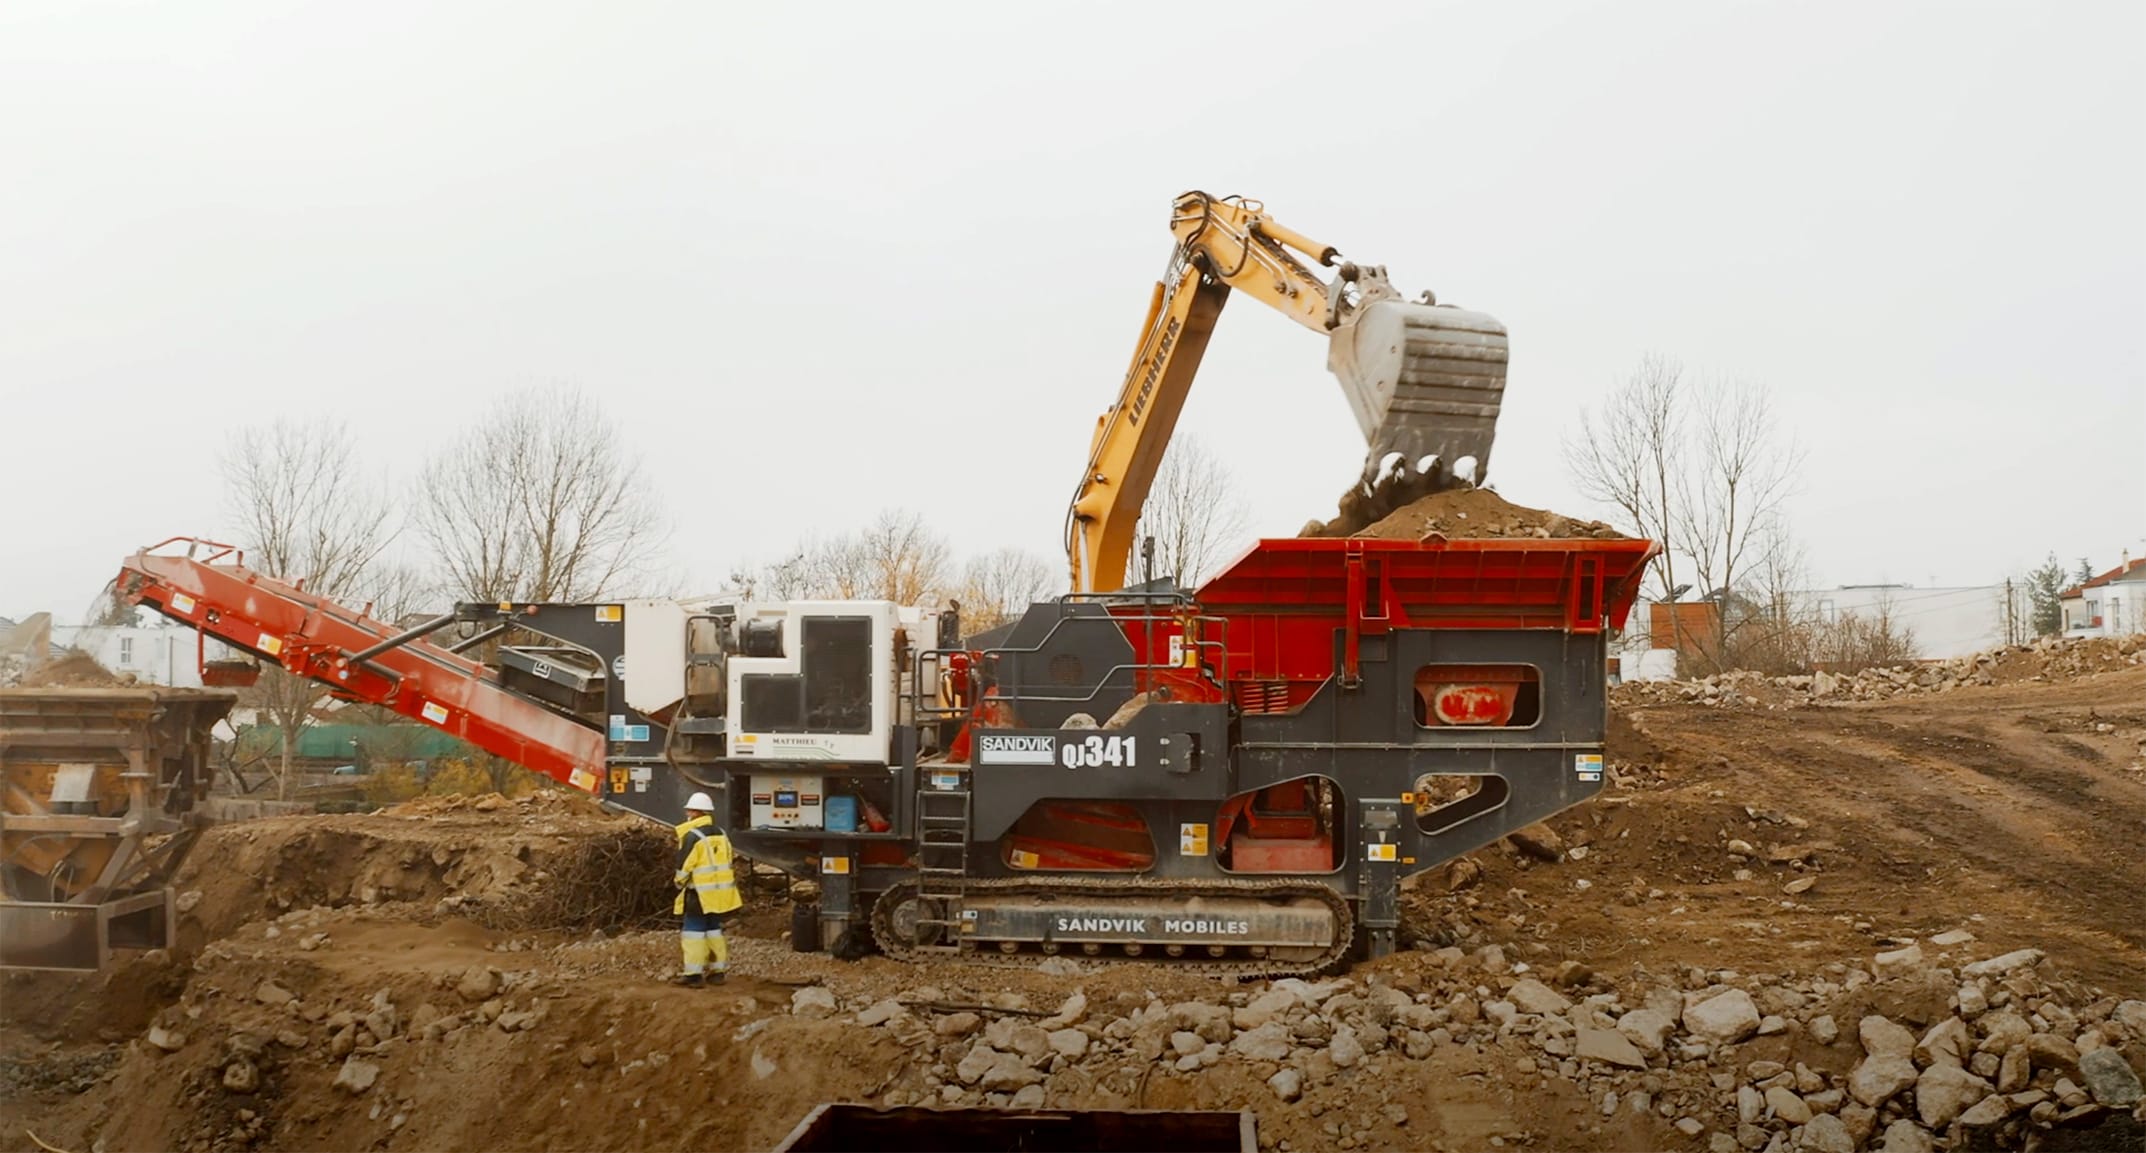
<point x="689" y="980"/>
<point x="715" y="978"/>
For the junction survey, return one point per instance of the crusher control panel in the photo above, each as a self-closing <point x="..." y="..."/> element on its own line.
<point x="787" y="802"/>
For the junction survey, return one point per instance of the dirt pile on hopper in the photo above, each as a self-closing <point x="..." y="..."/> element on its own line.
<point x="1469" y="514"/>
<point x="72" y="670"/>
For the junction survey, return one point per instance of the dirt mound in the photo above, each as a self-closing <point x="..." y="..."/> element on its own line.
<point x="73" y="670"/>
<point x="1474" y="514"/>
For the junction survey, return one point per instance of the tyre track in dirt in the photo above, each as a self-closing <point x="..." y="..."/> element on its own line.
<point x="2005" y="802"/>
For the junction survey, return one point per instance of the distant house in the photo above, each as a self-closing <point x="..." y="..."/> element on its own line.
<point x="2110" y="605"/>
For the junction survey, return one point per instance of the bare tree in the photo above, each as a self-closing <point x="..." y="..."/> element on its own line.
<point x="1193" y="513"/>
<point x="1704" y="470"/>
<point x="1630" y="454"/>
<point x="903" y="560"/>
<point x="998" y="586"/>
<point x="307" y="515"/>
<point x="541" y="502"/>
<point x="897" y="557"/>
<point x="1728" y="507"/>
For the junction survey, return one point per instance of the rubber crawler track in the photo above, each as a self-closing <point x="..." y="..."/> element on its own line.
<point x="1244" y="968"/>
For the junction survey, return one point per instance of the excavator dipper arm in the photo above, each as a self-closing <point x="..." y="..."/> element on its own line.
<point x="360" y="658"/>
<point x="1424" y="381"/>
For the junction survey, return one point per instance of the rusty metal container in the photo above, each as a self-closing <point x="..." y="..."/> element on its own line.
<point x="99" y="789"/>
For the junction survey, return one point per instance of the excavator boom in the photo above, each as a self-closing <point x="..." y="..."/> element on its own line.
<point x="1425" y="381"/>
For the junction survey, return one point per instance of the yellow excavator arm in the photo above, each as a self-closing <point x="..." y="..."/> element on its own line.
<point x="1424" y="381"/>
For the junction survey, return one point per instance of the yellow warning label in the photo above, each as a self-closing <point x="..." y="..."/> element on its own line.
<point x="618" y="780"/>
<point x="612" y="613"/>
<point x="1383" y="852"/>
<point x="1023" y="859"/>
<point x="834" y="866"/>
<point x="583" y="779"/>
<point x="181" y="603"/>
<point x="271" y="645"/>
<point x="1192" y="840"/>
<point x="435" y="712"/>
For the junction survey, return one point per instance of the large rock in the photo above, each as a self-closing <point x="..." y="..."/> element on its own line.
<point x="1539" y="841"/>
<point x="1345" y="1050"/>
<point x="812" y="1001"/>
<point x="2132" y="1016"/>
<point x="168" y="1040"/>
<point x="881" y="1012"/>
<point x="1647" y="1029"/>
<point x="1943" y="1092"/>
<point x="1876" y="1080"/>
<point x="1608" y="1047"/>
<point x="1264" y="1008"/>
<point x="1998" y="966"/>
<point x="1007" y="1073"/>
<point x="356" y="1076"/>
<point x="975" y="1063"/>
<point x="1072" y="1044"/>
<point x="2002" y="1030"/>
<point x="1882" y="1038"/>
<point x="1987" y="1113"/>
<point x="1532" y="996"/>
<point x="1269" y="1042"/>
<point x="1824" y="1031"/>
<point x="273" y="995"/>
<point x="478" y="984"/>
<point x="1069" y="1013"/>
<point x="1725" y="1018"/>
<point x="1906" y="1137"/>
<point x="1787" y="1106"/>
<point x="1288" y="1084"/>
<point x="2014" y="1071"/>
<point x="957" y="1024"/>
<point x="1825" y="1134"/>
<point x="1211" y="1022"/>
<point x="2111" y="1081"/>
<point x="1897" y="963"/>
<point x="2049" y="1051"/>
<point x="1948" y="1042"/>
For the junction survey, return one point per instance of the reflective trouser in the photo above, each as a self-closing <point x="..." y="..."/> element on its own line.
<point x="701" y="939"/>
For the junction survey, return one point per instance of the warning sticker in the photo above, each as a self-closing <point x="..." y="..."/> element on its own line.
<point x="435" y="712"/>
<point x="834" y="866"/>
<point x="1587" y="766"/>
<point x="1023" y="859"/>
<point x="1192" y="840"/>
<point x="1382" y="851"/>
<point x="271" y="645"/>
<point x="611" y="613"/>
<point x="181" y="603"/>
<point x="582" y="779"/>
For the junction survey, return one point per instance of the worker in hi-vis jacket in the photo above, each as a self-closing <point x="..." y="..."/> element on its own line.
<point x="707" y="889"/>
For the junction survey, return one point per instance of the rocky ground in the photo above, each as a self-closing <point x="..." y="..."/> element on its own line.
<point x="1903" y="920"/>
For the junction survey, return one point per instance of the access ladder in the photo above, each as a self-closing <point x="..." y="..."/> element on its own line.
<point x="942" y="859"/>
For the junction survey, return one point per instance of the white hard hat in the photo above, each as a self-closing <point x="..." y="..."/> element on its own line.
<point x="699" y="803"/>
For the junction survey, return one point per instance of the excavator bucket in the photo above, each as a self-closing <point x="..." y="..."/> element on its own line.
<point x="1425" y="381"/>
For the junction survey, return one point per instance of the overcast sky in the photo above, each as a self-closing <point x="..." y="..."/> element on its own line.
<point x="823" y="258"/>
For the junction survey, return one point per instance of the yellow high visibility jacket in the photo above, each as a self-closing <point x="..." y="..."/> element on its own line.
<point x="704" y="868"/>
